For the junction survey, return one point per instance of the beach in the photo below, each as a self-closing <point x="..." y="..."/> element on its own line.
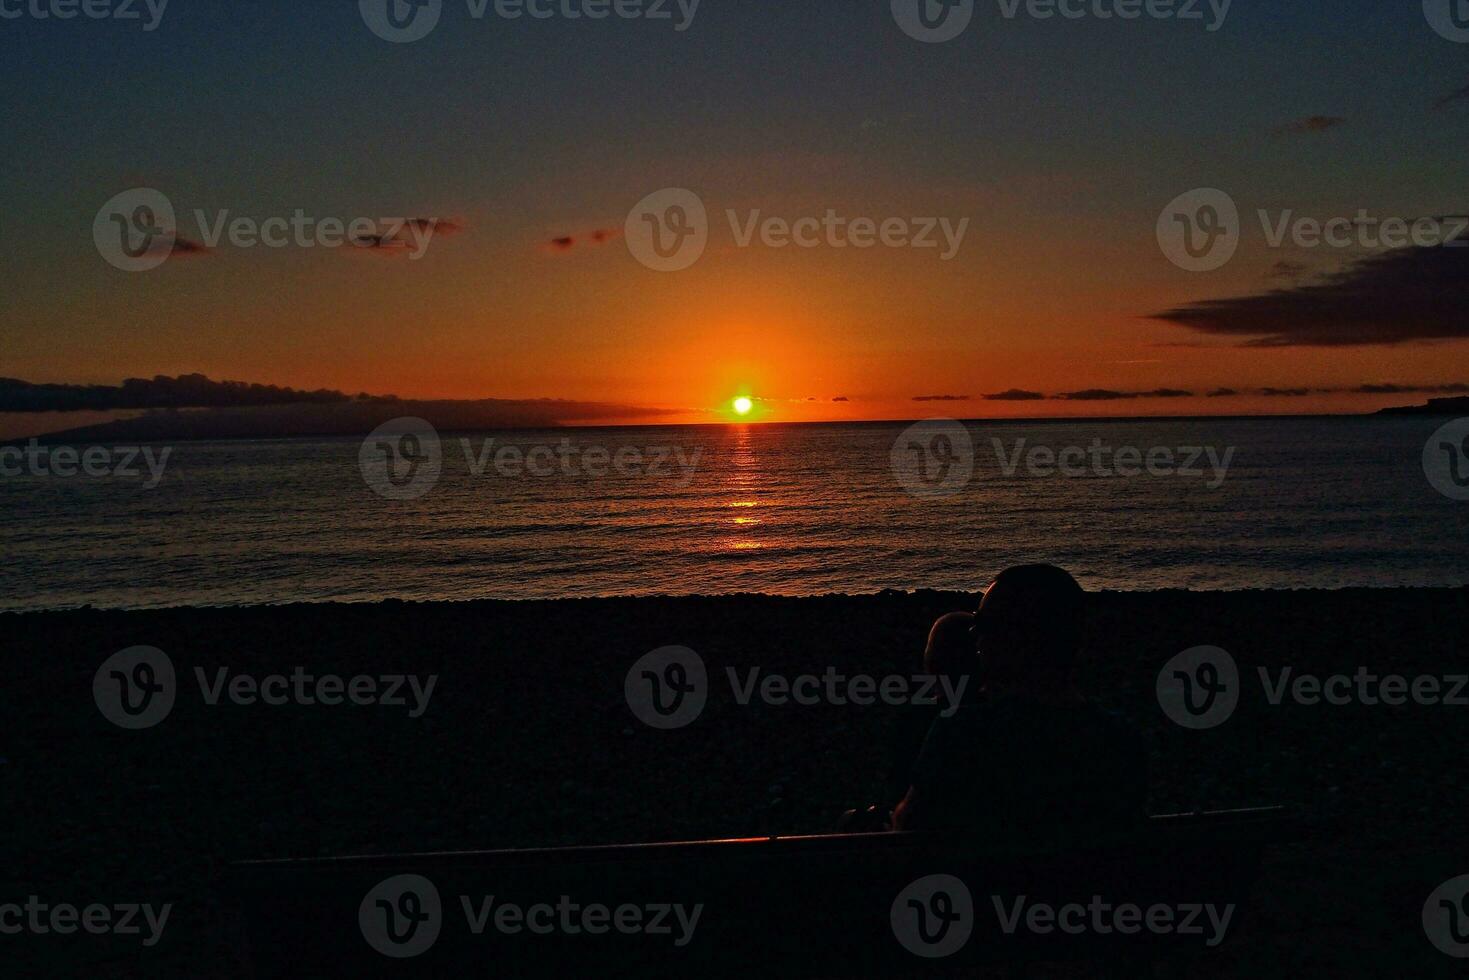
<point x="505" y="724"/>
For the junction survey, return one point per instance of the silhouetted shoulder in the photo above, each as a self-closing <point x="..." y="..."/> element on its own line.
<point x="1026" y="763"/>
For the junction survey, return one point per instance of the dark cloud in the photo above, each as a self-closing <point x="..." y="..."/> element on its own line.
<point x="409" y="236"/>
<point x="1107" y="395"/>
<point x="1223" y="393"/>
<point x="1285" y="392"/>
<point x="1287" y="270"/>
<point x="941" y="398"/>
<point x="600" y="236"/>
<point x="177" y="247"/>
<point x="1015" y="395"/>
<point x="439" y="226"/>
<point x="1310" y="124"/>
<point x="184" y="246"/>
<point x="841" y="398"/>
<point x="1395" y="389"/>
<point x="1407" y="294"/>
<point x="1094" y="395"/>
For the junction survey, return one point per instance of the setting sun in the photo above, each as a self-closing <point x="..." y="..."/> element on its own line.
<point x="743" y="405"/>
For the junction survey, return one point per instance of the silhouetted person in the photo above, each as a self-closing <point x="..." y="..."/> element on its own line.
<point x="1030" y="756"/>
<point x="950" y="655"/>
<point x="950" y="650"/>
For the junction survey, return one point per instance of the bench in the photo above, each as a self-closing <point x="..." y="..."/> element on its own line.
<point x="832" y="905"/>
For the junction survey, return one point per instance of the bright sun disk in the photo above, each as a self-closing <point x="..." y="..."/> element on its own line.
<point x="743" y="405"/>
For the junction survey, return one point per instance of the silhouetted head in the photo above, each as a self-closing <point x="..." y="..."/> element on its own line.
<point x="1029" y="626"/>
<point x="950" y="651"/>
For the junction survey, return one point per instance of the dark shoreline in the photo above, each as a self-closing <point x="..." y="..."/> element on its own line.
<point x="528" y="741"/>
<point x="963" y="599"/>
<point x="121" y="431"/>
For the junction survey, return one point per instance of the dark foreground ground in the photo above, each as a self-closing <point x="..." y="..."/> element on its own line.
<point x="528" y="741"/>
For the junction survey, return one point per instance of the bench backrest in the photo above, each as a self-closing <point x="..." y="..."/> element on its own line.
<point x="838" y="905"/>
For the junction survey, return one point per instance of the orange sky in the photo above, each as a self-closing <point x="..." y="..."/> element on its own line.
<point x="795" y="329"/>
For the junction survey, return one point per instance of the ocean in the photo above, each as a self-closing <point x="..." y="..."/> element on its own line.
<point x="782" y="509"/>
